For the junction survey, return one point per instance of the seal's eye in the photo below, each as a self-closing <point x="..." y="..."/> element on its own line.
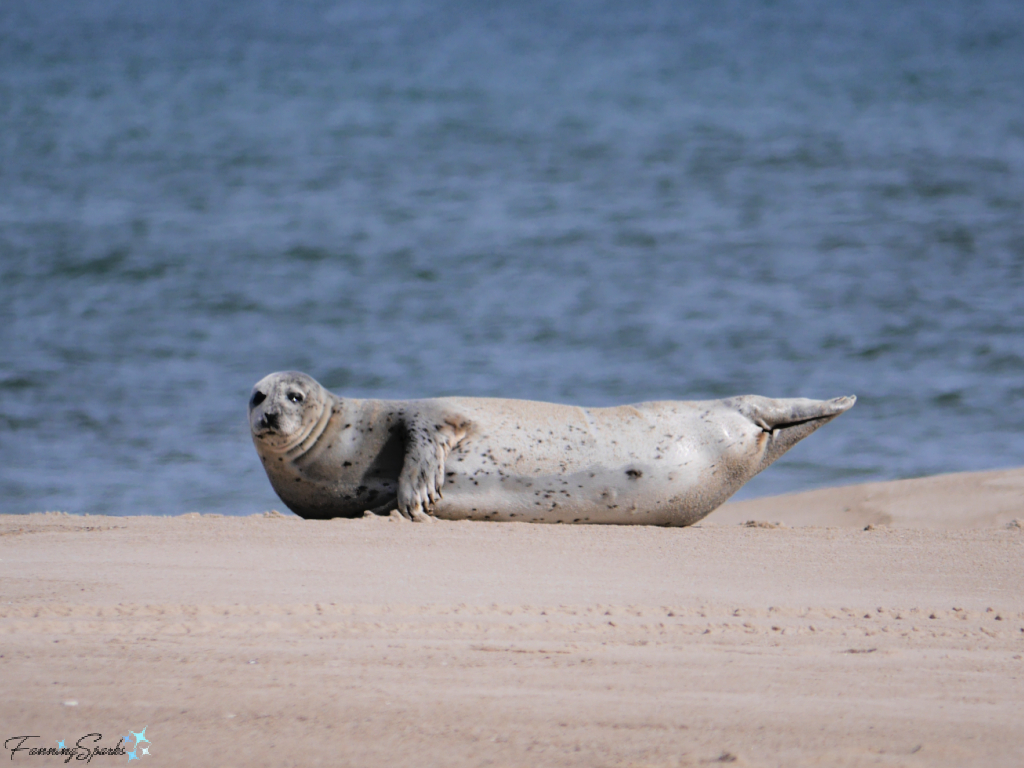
<point x="257" y="398"/>
<point x="295" y="397"/>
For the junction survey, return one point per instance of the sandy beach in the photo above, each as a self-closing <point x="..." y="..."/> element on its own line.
<point x="878" y="624"/>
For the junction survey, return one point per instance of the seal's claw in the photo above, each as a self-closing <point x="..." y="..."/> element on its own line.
<point x="421" y="517"/>
<point x="408" y="502"/>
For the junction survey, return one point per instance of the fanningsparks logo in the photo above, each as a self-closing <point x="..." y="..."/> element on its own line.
<point x="86" y="748"/>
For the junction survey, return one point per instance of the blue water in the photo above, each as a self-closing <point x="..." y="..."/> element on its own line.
<point x="592" y="203"/>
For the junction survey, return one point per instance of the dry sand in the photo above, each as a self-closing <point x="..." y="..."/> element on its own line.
<point x="271" y="641"/>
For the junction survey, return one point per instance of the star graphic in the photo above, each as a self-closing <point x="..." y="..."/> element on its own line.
<point x="140" y="737"/>
<point x="145" y="750"/>
<point x="132" y="756"/>
<point x="60" y="744"/>
<point x="127" y="739"/>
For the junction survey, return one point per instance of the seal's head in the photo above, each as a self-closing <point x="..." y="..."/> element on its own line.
<point x="286" y="409"/>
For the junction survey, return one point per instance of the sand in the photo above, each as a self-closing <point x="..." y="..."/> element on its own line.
<point x="801" y="639"/>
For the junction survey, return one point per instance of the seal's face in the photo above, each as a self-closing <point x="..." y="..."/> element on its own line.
<point x="284" y="408"/>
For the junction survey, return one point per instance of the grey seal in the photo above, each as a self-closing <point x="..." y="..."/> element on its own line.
<point x="659" y="463"/>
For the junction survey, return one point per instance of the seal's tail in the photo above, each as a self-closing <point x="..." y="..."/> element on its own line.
<point x="787" y="422"/>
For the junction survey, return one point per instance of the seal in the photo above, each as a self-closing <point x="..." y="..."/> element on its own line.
<point x="659" y="463"/>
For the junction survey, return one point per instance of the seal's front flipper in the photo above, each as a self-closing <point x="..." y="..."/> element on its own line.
<point x="427" y="445"/>
<point x="787" y="422"/>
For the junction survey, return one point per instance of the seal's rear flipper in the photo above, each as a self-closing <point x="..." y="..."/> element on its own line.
<point x="787" y="422"/>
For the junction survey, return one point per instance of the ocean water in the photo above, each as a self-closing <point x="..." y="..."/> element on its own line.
<point x="584" y="202"/>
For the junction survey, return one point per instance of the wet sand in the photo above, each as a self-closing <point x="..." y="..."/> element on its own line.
<point x="878" y="624"/>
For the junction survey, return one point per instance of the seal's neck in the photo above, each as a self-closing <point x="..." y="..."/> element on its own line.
<point x="298" y="449"/>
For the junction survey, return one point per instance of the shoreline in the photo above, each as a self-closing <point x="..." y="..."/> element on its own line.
<point x="956" y="500"/>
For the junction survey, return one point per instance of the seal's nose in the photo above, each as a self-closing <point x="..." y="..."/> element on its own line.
<point x="268" y="421"/>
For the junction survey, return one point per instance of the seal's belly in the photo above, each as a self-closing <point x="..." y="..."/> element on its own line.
<point x="637" y="495"/>
<point x="624" y="472"/>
